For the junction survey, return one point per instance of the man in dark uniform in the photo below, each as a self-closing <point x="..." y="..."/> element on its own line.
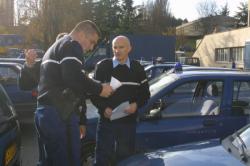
<point x="62" y="83"/>
<point x="116" y="138"/>
<point x="30" y="73"/>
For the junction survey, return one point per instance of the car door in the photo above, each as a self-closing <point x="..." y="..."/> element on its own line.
<point x="181" y="113"/>
<point x="237" y="111"/>
<point x="24" y="101"/>
<point x="10" y="139"/>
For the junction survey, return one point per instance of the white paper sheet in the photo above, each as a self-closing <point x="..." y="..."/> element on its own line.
<point x="115" y="83"/>
<point x="119" y="112"/>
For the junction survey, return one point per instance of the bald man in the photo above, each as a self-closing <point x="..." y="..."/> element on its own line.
<point x="116" y="138"/>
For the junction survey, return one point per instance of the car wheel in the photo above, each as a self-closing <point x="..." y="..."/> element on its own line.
<point x="88" y="153"/>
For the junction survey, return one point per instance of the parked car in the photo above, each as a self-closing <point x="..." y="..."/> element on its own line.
<point x="232" y="151"/>
<point x="14" y="52"/>
<point x="24" y="101"/>
<point x="185" y="68"/>
<point x="10" y="138"/>
<point x="13" y="60"/>
<point x="190" y="106"/>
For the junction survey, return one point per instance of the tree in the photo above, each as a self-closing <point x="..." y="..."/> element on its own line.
<point x="207" y="8"/>
<point x="224" y="10"/>
<point x="88" y="9"/>
<point x="108" y="14"/>
<point x="207" y="11"/>
<point x="156" y="17"/>
<point x="128" y="16"/>
<point x="242" y="15"/>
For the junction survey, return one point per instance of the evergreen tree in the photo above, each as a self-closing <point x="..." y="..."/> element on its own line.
<point x="242" y="15"/>
<point x="224" y="10"/>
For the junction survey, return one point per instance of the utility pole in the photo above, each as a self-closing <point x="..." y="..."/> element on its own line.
<point x="248" y="18"/>
<point x="7" y="13"/>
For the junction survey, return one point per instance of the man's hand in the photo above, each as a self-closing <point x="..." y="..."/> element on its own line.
<point x="106" y="90"/>
<point x="82" y="131"/>
<point x="131" y="109"/>
<point x="30" y="57"/>
<point x="108" y="112"/>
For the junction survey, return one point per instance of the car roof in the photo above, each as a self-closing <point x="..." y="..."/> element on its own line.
<point x="18" y="65"/>
<point x="188" y="68"/>
<point x="14" y="60"/>
<point x="212" y="73"/>
<point x="163" y="65"/>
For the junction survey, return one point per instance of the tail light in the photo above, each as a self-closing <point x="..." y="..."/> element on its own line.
<point x="34" y="93"/>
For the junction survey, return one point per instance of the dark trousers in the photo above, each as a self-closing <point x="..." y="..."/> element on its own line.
<point x="115" y="142"/>
<point x="54" y="136"/>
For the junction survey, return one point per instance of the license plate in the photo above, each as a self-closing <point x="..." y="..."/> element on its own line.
<point x="9" y="154"/>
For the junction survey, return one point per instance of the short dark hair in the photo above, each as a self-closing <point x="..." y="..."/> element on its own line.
<point x="87" y="26"/>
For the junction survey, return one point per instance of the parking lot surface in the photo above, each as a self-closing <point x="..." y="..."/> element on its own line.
<point x="29" y="147"/>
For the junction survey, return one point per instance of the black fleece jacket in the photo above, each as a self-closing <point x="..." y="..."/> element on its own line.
<point x="135" y="89"/>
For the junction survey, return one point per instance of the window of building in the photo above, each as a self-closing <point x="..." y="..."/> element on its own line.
<point x="222" y="54"/>
<point x="229" y="54"/>
<point x="237" y="54"/>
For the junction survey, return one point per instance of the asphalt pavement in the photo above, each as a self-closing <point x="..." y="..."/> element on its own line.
<point x="29" y="147"/>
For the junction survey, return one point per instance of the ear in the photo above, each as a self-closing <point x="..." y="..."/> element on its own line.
<point x="129" y="49"/>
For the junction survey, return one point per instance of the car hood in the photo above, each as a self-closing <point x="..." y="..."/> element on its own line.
<point x="197" y="154"/>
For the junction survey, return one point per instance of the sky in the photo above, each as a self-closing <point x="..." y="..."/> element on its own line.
<point x="188" y="8"/>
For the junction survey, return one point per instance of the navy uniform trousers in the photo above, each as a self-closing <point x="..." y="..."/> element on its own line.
<point x="114" y="142"/>
<point x="53" y="139"/>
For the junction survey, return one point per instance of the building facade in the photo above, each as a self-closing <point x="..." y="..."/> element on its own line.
<point x="224" y="48"/>
<point x="207" y="25"/>
<point x="6" y="12"/>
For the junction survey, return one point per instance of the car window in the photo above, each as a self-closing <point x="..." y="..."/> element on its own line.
<point x="158" y="85"/>
<point x="6" y="107"/>
<point x="193" y="98"/>
<point x="8" y="75"/>
<point x="241" y="98"/>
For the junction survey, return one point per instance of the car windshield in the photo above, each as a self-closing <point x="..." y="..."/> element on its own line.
<point x="157" y="78"/>
<point x="238" y="144"/>
<point x="159" y="84"/>
<point x="242" y="141"/>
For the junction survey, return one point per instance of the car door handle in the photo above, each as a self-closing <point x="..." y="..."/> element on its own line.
<point x="209" y="122"/>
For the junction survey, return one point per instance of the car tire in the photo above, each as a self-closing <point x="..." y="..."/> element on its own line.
<point x="88" y="153"/>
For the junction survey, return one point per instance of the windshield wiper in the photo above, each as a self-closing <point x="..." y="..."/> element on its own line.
<point x="243" y="146"/>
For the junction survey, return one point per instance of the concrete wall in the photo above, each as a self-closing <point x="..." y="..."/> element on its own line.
<point x="206" y="49"/>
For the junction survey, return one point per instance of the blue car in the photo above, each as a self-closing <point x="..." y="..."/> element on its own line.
<point x="190" y="106"/>
<point x="10" y="138"/>
<point x="232" y="151"/>
<point x="24" y="101"/>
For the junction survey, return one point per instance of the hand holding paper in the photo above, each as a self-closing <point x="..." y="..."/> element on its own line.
<point x="115" y="83"/>
<point x="119" y="111"/>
